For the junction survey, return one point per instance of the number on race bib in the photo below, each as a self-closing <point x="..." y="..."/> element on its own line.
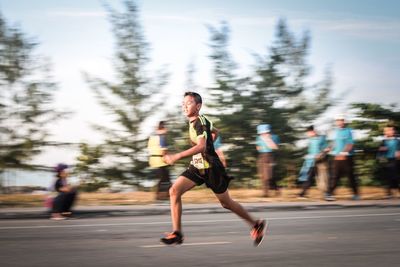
<point x="198" y="161"/>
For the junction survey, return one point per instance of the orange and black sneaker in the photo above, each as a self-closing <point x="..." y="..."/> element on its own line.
<point x="258" y="231"/>
<point x="174" y="238"/>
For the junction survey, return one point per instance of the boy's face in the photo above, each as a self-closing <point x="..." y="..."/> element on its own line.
<point x="388" y="131"/>
<point x="311" y="133"/>
<point x="340" y="123"/>
<point x="64" y="174"/>
<point x="189" y="106"/>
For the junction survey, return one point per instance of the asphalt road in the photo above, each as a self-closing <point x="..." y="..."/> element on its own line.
<point x="332" y="237"/>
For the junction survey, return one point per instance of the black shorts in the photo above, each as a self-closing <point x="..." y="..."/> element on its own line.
<point x="214" y="177"/>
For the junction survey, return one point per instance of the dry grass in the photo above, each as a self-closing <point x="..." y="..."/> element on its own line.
<point x="194" y="196"/>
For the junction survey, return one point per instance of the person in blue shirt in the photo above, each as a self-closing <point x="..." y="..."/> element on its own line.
<point x="343" y="163"/>
<point x="266" y="144"/>
<point x="316" y="155"/>
<point x="390" y="151"/>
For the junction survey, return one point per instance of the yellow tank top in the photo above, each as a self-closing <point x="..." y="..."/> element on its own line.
<point x="156" y="152"/>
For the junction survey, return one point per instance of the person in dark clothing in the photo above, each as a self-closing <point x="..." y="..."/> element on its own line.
<point x="343" y="162"/>
<point x="66" y="197"/>
<point x="266" y="144"/>
<point x="390" y="153"/>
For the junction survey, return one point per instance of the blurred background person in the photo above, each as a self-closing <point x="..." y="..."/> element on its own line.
<point x="157" y="146"/>
<point x="218" y="148"/>
<point x="343" y="162"/>
<point x="66" y="196"/>
<point x="389" y="152"/>
<point x="266" y="144"/>
<point x="315" y="164"/>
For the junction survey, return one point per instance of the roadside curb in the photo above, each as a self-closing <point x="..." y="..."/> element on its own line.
<point x="163" y="209"/>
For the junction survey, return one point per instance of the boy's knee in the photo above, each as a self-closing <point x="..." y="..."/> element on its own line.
<point x="174" y="192"/>
<point x="226" y="204"/>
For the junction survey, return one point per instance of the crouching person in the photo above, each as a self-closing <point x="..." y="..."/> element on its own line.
<point x="66" y="197"/>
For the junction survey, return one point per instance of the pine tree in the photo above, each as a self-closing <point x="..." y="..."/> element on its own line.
<point x="88" y="168"/>
<point x="227" y="102"/>
<point x="276" y="94"/>
<point x="281" y="85"/>
<point x="131" y="100"/>
<point x="26" y="94"/>
<point x="282" y="97"/>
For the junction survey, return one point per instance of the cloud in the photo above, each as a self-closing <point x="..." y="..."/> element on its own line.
<point x="237" y="20"/>
<point x="360" y="28"/>
<point x="255" y="21"/>
<point x="71" y="13"/>
<point x="185" y="19"/>
<point x="369" y="29"/>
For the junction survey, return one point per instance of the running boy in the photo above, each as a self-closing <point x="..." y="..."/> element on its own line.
<point x="205" y="167"/>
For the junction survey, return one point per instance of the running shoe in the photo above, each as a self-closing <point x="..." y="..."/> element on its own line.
<point x="258" y="231"/>
<point x="174" y="238"/>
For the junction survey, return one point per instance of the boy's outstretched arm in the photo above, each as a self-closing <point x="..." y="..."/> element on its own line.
<point x="198" y="148"/>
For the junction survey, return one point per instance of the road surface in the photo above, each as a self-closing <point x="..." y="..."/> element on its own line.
<point x="330" y="237"/>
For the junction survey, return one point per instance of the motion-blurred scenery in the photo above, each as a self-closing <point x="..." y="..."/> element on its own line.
<point x="304" y="94"/>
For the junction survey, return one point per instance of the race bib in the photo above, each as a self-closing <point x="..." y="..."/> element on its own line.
<point x="198" y="161"/>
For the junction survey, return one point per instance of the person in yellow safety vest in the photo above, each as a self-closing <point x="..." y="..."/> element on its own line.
<point x="157" y="146"/>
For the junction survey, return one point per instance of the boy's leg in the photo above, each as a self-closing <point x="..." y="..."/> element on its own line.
<point x="228" y="203"/>
<point x="257" y="226"/>
<point x="398" y="174"/>
<point x="180" y="186"/>
<point x="57" y="204"/>
<point x="273" y="179"/>
<point x="57" y="208"/>
<point x="307" y="184"/>
<point x="337" y="173"/>
<point x="72" y="199"/>
<point x="164" y="183"/>
<point x="322" y="177"/>
<point x="351" y="176"/>
<point x="391" y="176"/>
<point x="263" y="173"/>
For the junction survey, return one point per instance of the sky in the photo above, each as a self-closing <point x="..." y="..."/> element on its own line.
<point x="358" y="40"/>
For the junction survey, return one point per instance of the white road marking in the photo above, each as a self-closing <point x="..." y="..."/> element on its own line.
<point x="63" y="225"/>
<point x="189" y="244"/>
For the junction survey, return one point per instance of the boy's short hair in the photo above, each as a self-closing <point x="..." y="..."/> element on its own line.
<point x="310" y="128"/>
<point x="161" y="125"/>
<point x="390" y="125"/>
<point x="196" y="96"/>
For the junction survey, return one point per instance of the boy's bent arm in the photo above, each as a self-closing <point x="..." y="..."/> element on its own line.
<point x="198" y="148"/>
